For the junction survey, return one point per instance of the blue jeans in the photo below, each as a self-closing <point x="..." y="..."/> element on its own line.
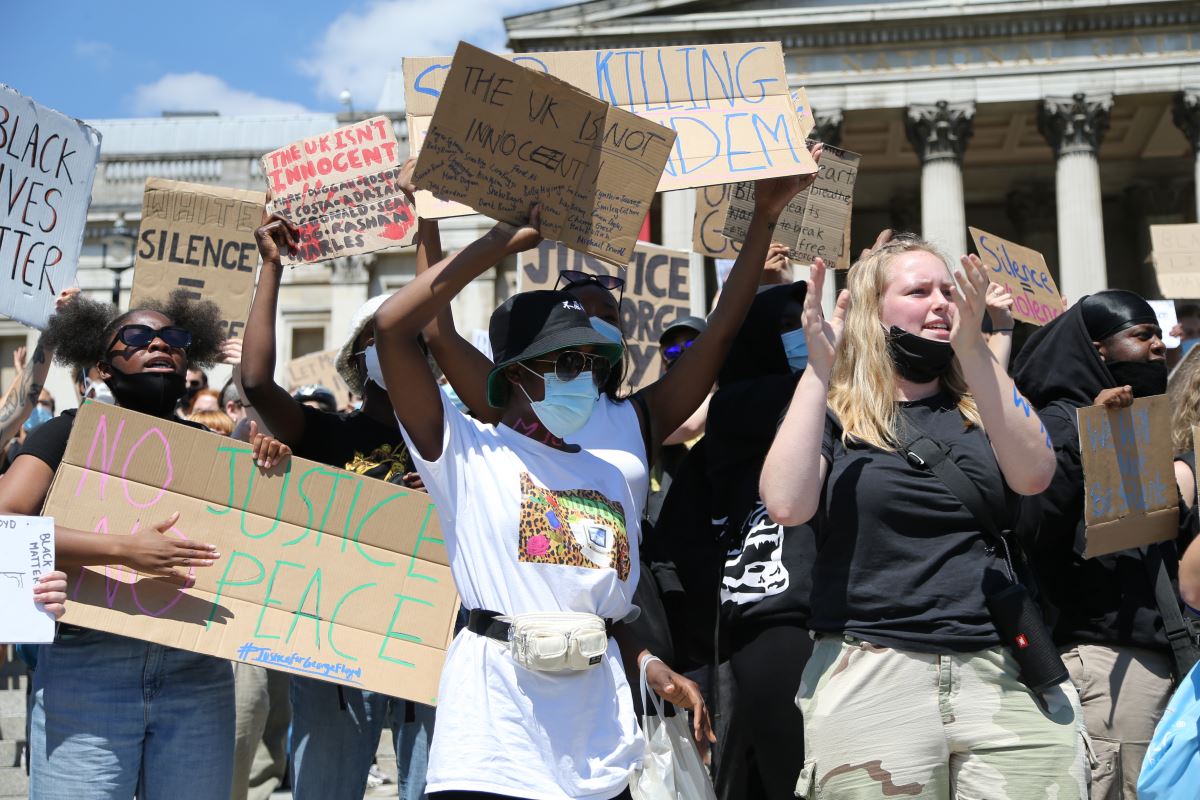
<point x="114" y="716"/>
<point x="333" y="746"/>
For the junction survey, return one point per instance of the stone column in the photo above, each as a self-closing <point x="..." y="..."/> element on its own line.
<point x="1074" y="126"/>
<point x="678" y="217"/>
<point x="939" y="133"/>
<point x="1187" y="117"/>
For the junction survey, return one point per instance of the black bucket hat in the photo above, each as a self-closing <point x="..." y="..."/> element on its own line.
<point x="531" y="324"/>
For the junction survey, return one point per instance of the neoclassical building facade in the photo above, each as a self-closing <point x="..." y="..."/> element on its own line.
<point x="1067" y="125"/>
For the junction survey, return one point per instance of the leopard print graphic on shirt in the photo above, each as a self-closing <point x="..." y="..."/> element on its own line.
<point x="577" y="527"/>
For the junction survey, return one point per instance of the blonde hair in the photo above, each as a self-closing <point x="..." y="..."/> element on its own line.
<point x="1183" y="391"/>
<point x="215" y="421"/>
<point x="862" y="388"/>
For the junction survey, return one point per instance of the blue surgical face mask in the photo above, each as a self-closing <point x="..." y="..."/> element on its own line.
<point x="39" y="415"/>
<point x="607" y="330"/>
<point x="796" y="348"/>
<point x="1187" y="344"/>
<point x="567" y="405"/>
<point x="454" y="398"/>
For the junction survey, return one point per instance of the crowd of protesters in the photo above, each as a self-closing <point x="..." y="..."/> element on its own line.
<point x="813" y="532"/>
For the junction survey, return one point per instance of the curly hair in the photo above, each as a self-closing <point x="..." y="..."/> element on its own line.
<point x="71" y="333"/>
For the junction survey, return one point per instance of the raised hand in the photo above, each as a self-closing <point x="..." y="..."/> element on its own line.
<point x="518" y="239"/>
<point x="883" y="238"/>
<point x="771" y="195"/>
<point x="275" y="235"/>
<point x="999" y="301"/>
<point x="822" y="335"/>
<point x="231" y="352"/>
<point x="1116" y="397"/>
<point x="268" y="451"/>
<point x="777" y="269"/>
<point x="969" y="292"/>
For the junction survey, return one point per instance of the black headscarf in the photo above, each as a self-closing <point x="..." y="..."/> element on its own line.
<point x="1059" y="361"/>
<point x="757" y="350"/>
<point x="1114" y="310"/>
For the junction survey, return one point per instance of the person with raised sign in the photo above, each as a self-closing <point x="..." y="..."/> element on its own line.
<point x="335" y="729"/>
<point x="1107" y="349"/>
<point x="113" y="716"/>
<point x="903" y="446"/>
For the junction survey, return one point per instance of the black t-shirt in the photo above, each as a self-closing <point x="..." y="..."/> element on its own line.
<point x="1108" y="599"/>
<point x="354" y="442"/>
<point x="768" y="573"/>
<point x="900" y="562"/>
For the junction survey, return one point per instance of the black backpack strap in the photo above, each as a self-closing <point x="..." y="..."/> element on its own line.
<point x="1179" y="633"/>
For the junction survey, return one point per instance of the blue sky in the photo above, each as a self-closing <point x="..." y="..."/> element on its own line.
<point x="138" y="58"/>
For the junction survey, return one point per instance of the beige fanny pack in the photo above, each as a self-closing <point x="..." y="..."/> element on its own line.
<point x="559" y="641"/>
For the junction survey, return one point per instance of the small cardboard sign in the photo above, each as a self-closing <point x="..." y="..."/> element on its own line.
<point x="319" y="368"/>
<point x="708" y="228"/>
<point x="1176" y="257"/>
<point x="656" y="294"/>
<point x="507" y="137"/>
<point x="1036" y="298"/>
<point x="47" y="163"/>
<point x="729" y="104"/>
<point x="200" y="239"/>
<point x="1130" y="497"/>
<point x="816" y="222"/>
<point x="322" y="572"/>
<point x="26" y="553"/>
<point x="342" y="191"/>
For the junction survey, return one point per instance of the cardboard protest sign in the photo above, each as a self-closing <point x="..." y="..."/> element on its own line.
<point x="708" y="228"/>
<point x="1129" y="496"/>
<point x="1176" y="256"/>
<point x="656" y="293"/>
<point x="508" y="137"/>
<point x="47" y="163"/>
<point x="816" y="221"/>
<point x="1036" y="298"/>
<point x="729" y="103"/>
<point x="319" y="368"/>
<point x="807" y="120"/>
<point x="322" y="572"/>
<point x="26" y="553"/>
<point x="342" y="190"/>
<point x="201" y="239"/>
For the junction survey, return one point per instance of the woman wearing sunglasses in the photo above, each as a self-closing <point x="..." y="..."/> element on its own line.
<point x="113" y="716"/>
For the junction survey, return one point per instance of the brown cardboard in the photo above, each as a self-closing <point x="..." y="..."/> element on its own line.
<point x="656" y="294"/>
<point x="815" y="222"/>
<point x="342" y="190"/>
<point x="1176" y="257"/>
<point x="807" y="120"/>
<point x="508" y="137"/>
<point x="1036" y="298"/>
<point x="199" y="238"/>
<point x="729" y="103"/>
<point x="708" y="227"/>
<point x="320" y="368"/>
<point x="47" y="162"/>
<point x="322" y="572"/>
<point x="1130" y="497"/>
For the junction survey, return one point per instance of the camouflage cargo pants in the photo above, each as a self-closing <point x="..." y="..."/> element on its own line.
<point x="885" y="723"/>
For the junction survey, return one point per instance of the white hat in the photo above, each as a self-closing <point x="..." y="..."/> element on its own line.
<point x="365" y="313"/>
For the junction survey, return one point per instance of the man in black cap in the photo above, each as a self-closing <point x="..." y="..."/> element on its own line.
<point x="1105" y="350"/>
<point x="677" y="337"/>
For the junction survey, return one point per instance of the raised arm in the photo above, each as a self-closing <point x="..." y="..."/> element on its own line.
<point x="464" y="366"/>
<point x="1022" y="446"/>
<point x="672" y="398"/>
<point x="23" y="395"/>
<point x="999" y="310"/>
<point x="794" y="470"/>
<point x="272" y="403"/>
<point x="407" y="312"/>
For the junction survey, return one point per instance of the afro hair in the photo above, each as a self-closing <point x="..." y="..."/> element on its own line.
<point x="71" y="333"/>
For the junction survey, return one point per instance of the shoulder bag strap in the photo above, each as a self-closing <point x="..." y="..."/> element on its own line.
<point x="1179" y="634"/>
<point x="925" y="453"/>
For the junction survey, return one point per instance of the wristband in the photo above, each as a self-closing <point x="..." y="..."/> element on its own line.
<point x="643" y="662"/>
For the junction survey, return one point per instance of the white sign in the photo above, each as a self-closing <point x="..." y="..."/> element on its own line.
<point x="26" y="553"/>
<point x="47" y="162"/>
<point x="1167" y="320"/>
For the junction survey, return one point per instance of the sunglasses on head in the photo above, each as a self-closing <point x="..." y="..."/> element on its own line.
<point x="575" y="277"/>
<point x="676" y="350"/>
<point x="571" y="364"/>
<point x="143" y="335"/>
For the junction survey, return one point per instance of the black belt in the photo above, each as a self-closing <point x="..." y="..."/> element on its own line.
<point x="485" y="623"/>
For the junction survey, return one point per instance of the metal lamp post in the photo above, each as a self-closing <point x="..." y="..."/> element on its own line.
<point x="120" y="231"/>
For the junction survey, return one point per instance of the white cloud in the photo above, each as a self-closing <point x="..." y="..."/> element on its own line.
<point x="360" y="47"/>
<point x="198" y="91"/>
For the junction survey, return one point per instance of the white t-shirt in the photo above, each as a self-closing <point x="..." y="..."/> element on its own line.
<point x="614" y="433"/>
<point x="531" y="528"/>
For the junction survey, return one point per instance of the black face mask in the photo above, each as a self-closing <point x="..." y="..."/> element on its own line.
<point x="154" y="393"/>
<point x="918" y="359"/>
<point x="1146" y="377"/>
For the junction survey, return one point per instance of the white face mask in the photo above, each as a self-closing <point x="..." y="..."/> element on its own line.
<point x="374" y="370"/>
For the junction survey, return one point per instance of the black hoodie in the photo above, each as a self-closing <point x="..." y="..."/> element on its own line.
<point x="1104" y="600"/>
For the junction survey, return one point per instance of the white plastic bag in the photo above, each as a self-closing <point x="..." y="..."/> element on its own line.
<point x="671" y="769"/>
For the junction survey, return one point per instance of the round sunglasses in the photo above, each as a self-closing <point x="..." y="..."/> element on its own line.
<point x="571" y="364"/>
<point x="143" y="335"/>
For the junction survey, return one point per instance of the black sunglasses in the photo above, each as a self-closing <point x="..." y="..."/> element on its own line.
<point x="575" y="277"/>
<point x="569" y="365"/>
<point x="676" y="350"/>
<point x="143" y="335"/>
